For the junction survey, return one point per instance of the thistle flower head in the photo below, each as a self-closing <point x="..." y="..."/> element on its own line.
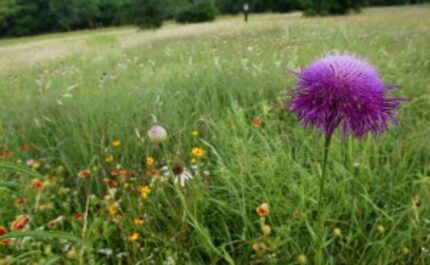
<point x="342" y="89"/>
<point x="157" y="134"/>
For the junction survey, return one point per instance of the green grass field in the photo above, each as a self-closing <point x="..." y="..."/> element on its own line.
<point x="65" y="98"/>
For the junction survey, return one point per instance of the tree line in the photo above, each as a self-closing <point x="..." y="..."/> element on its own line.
<point x="29" y="17"/>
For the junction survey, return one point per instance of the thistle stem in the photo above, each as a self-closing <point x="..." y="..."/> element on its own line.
<point x="324" y="169"/>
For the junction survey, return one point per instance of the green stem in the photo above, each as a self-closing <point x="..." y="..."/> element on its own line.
<point x="319" y="258"/>
<point x="324" y="170"/>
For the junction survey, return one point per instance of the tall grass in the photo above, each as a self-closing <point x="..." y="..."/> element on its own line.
<point x="70" y="111"/>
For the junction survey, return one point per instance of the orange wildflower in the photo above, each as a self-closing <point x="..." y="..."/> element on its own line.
<point x="153" y="172"/>
<point x="20" y="223"/>
<point x="37" y="184"/>
<point x="84" y="173"/>
<point x="263" y="210"/>
<point x="78" y="217"/>
<point x="20" y="202"/>
<point x="110" y="183"/>
<point x="256" y="122"/>
<point x="3" y="231"/>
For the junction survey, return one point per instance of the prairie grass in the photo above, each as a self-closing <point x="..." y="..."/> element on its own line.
<point x="61" y="117"/>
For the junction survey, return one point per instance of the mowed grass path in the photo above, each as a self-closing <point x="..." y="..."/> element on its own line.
<point x="65" y="97"/>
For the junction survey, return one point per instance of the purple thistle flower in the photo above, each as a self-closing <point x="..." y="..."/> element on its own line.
<point x="343" y="89"/>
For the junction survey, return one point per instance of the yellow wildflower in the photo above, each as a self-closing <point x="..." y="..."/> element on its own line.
<point x="116" y="143"/>
<point x="198" y="152"/>
<point x="144" y="191"/>
<point x="113" y="209"/>
<point x="195" y="133"/>
<point x="337" y="232"/>
<point x="139" y="221"/>
<point x="302" y="259"/>
<point x="133" y="237"/>
<point x="149" y="161"/>
<point x="109" y="159"/>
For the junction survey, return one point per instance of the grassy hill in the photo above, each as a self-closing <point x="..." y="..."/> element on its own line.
<point x="76" y="109"/>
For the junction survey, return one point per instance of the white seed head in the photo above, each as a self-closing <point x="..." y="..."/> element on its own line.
<point x="157" y="134"/>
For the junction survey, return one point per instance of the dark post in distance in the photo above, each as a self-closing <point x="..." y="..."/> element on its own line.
<point x="246" y="10"/>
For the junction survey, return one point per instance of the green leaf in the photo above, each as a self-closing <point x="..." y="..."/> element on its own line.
<point x="8" y="184"/>
<point x="46" y="234"/>
<point x="19" y="168"/>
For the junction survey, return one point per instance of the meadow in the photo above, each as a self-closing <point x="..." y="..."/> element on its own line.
<point x="80" y="182"/>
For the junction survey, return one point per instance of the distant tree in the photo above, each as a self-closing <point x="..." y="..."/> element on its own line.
<point x="331" y="7"/>
<point x="147" y="13"/>
<point x="8" y="10"/>
<point x="229" y="6"/>
<point x="198" y="11"/>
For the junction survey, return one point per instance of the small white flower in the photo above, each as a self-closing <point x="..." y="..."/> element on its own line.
<point x="157" y="134"/>
<point x="106" y="251"/>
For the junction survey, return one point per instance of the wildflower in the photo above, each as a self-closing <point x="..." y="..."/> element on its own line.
<point x="302" y="259"/>
<point x="34" y="164"/>
<point x="24" y="148"/>
<point x="133" y="237"/>
<point x="63" y="190"/>
<point x="256" y="122"/>
<point x="405" y="250"/>
<point x="109" y="159"/>
<point x="182" y="175"/>
<point x="139" y="221"/>
<point x="337" y="232"/>
<point x="3" y="231"/>
<point x="259" y="247"/>
<point x="84" y="173"/>
<point x="153" y="172"/>
<point x="106" y="251"/>
<point x="198" y="152"/>
<point x="195" y="133"/>
<point x="20" y="223"/>
<point x="20" y="202"/>
<point x="149" y="161"/>
<point x="266" y="229"/>
<point x="71" y="254"/>
<point x="157" y="134"/>
<point x="46" y="207"/>
<point x="116" y="143"/>
<point x="37" y="184"/>
<point x="144" y="191"/>
<point x="6" y="260"/>
<point x="78" y="217"/>
<point x="113" y="209"/>
<point x="110" y="183"/>
<point x="7" y="154"/>
<point x="123" y="174"/>
<point x="263" y="210"/>
<point x="343" y="89"/>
